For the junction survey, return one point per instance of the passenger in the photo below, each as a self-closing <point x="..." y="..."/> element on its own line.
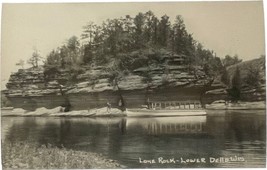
<point x="108" y="107"/>
<point x="121" y="104"/>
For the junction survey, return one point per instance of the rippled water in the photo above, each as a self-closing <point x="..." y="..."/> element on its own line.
<point x="220" y="139"/>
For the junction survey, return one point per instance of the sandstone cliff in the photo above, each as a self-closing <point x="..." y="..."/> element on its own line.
<point x="93" y="86"/>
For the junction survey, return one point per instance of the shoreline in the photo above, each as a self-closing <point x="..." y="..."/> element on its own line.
<point x="114" y="112"/>
<point x="58" y="112"/>
<point x="222" y="105"/>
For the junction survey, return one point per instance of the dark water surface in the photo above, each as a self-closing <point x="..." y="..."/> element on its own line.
<point x="220" y="139"/>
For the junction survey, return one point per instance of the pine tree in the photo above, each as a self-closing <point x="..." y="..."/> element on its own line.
<point x="235" y="91"/>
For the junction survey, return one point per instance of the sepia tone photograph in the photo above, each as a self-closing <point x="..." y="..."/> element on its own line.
<point x="127" y="85"/>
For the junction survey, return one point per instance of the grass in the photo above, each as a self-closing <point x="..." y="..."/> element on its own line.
<point x="25" y="156"/>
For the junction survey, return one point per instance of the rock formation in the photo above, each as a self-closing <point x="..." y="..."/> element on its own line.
<point x="93" y="88"/>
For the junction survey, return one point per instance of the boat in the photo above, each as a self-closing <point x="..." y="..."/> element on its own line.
<point x="167" y="108"/>
<point x="164" y="112"/>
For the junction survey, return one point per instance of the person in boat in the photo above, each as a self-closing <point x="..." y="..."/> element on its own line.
<point x="108" y="107"/>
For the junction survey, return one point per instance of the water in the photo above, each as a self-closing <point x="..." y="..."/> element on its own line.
<point x="236" y="135"/>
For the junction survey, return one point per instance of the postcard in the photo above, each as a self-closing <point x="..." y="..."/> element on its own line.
<point x="125" y="85"/>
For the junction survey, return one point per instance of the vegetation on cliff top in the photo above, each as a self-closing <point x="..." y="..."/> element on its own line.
<point x="127" y="43"/>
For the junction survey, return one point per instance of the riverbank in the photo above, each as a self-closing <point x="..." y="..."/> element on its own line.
<point x="114" y="112"/>
<point x="25" y="156"/>
<point x="223" y="105"/>
<point x="58" y="112"/>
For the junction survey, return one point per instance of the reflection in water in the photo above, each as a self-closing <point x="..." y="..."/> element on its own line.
<point x="128" y="139"/>
<point x="169" y="125"/>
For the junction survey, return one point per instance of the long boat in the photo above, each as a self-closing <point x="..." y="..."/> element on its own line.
<point x="168" y="108"/>
<point x="164" y="113"/>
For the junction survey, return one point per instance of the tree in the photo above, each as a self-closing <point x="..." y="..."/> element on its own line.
<point x="34" y="60"/>
<point x="154" y="30"/>
<point x="164" y="30"/>
<point x="73" y="50"/>
<point x="235" y="91"/>
<point x="252" y="78"/>
<point x="87" y="53"/>
<point x="52" y="65"/>
<point x="92" y="35"/>
<point x="139" y="22"/>
<point x="127" y="35"/>
<point x="53" y="58"/>
<point x="73" y="43"/>
<point x="236" y="80"/>
<point x="89" y="32"/>
<point x="225" y="77"/>
<point x="66" y="56"/>
<point x="228" y="60"/>
<point x="148" y="31"/>
<point x="116" y="75"/>
<point x="21" y="63"/>
<point x="212" y="67"/>
<point x="179" y="33"/>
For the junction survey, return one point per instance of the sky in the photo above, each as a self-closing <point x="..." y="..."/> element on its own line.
<point x="224" y="27"/>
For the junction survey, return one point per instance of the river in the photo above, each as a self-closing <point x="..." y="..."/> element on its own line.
<point x="220" y="139"/>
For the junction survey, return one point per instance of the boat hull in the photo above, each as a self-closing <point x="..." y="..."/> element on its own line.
<point x="163" y="113"/>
